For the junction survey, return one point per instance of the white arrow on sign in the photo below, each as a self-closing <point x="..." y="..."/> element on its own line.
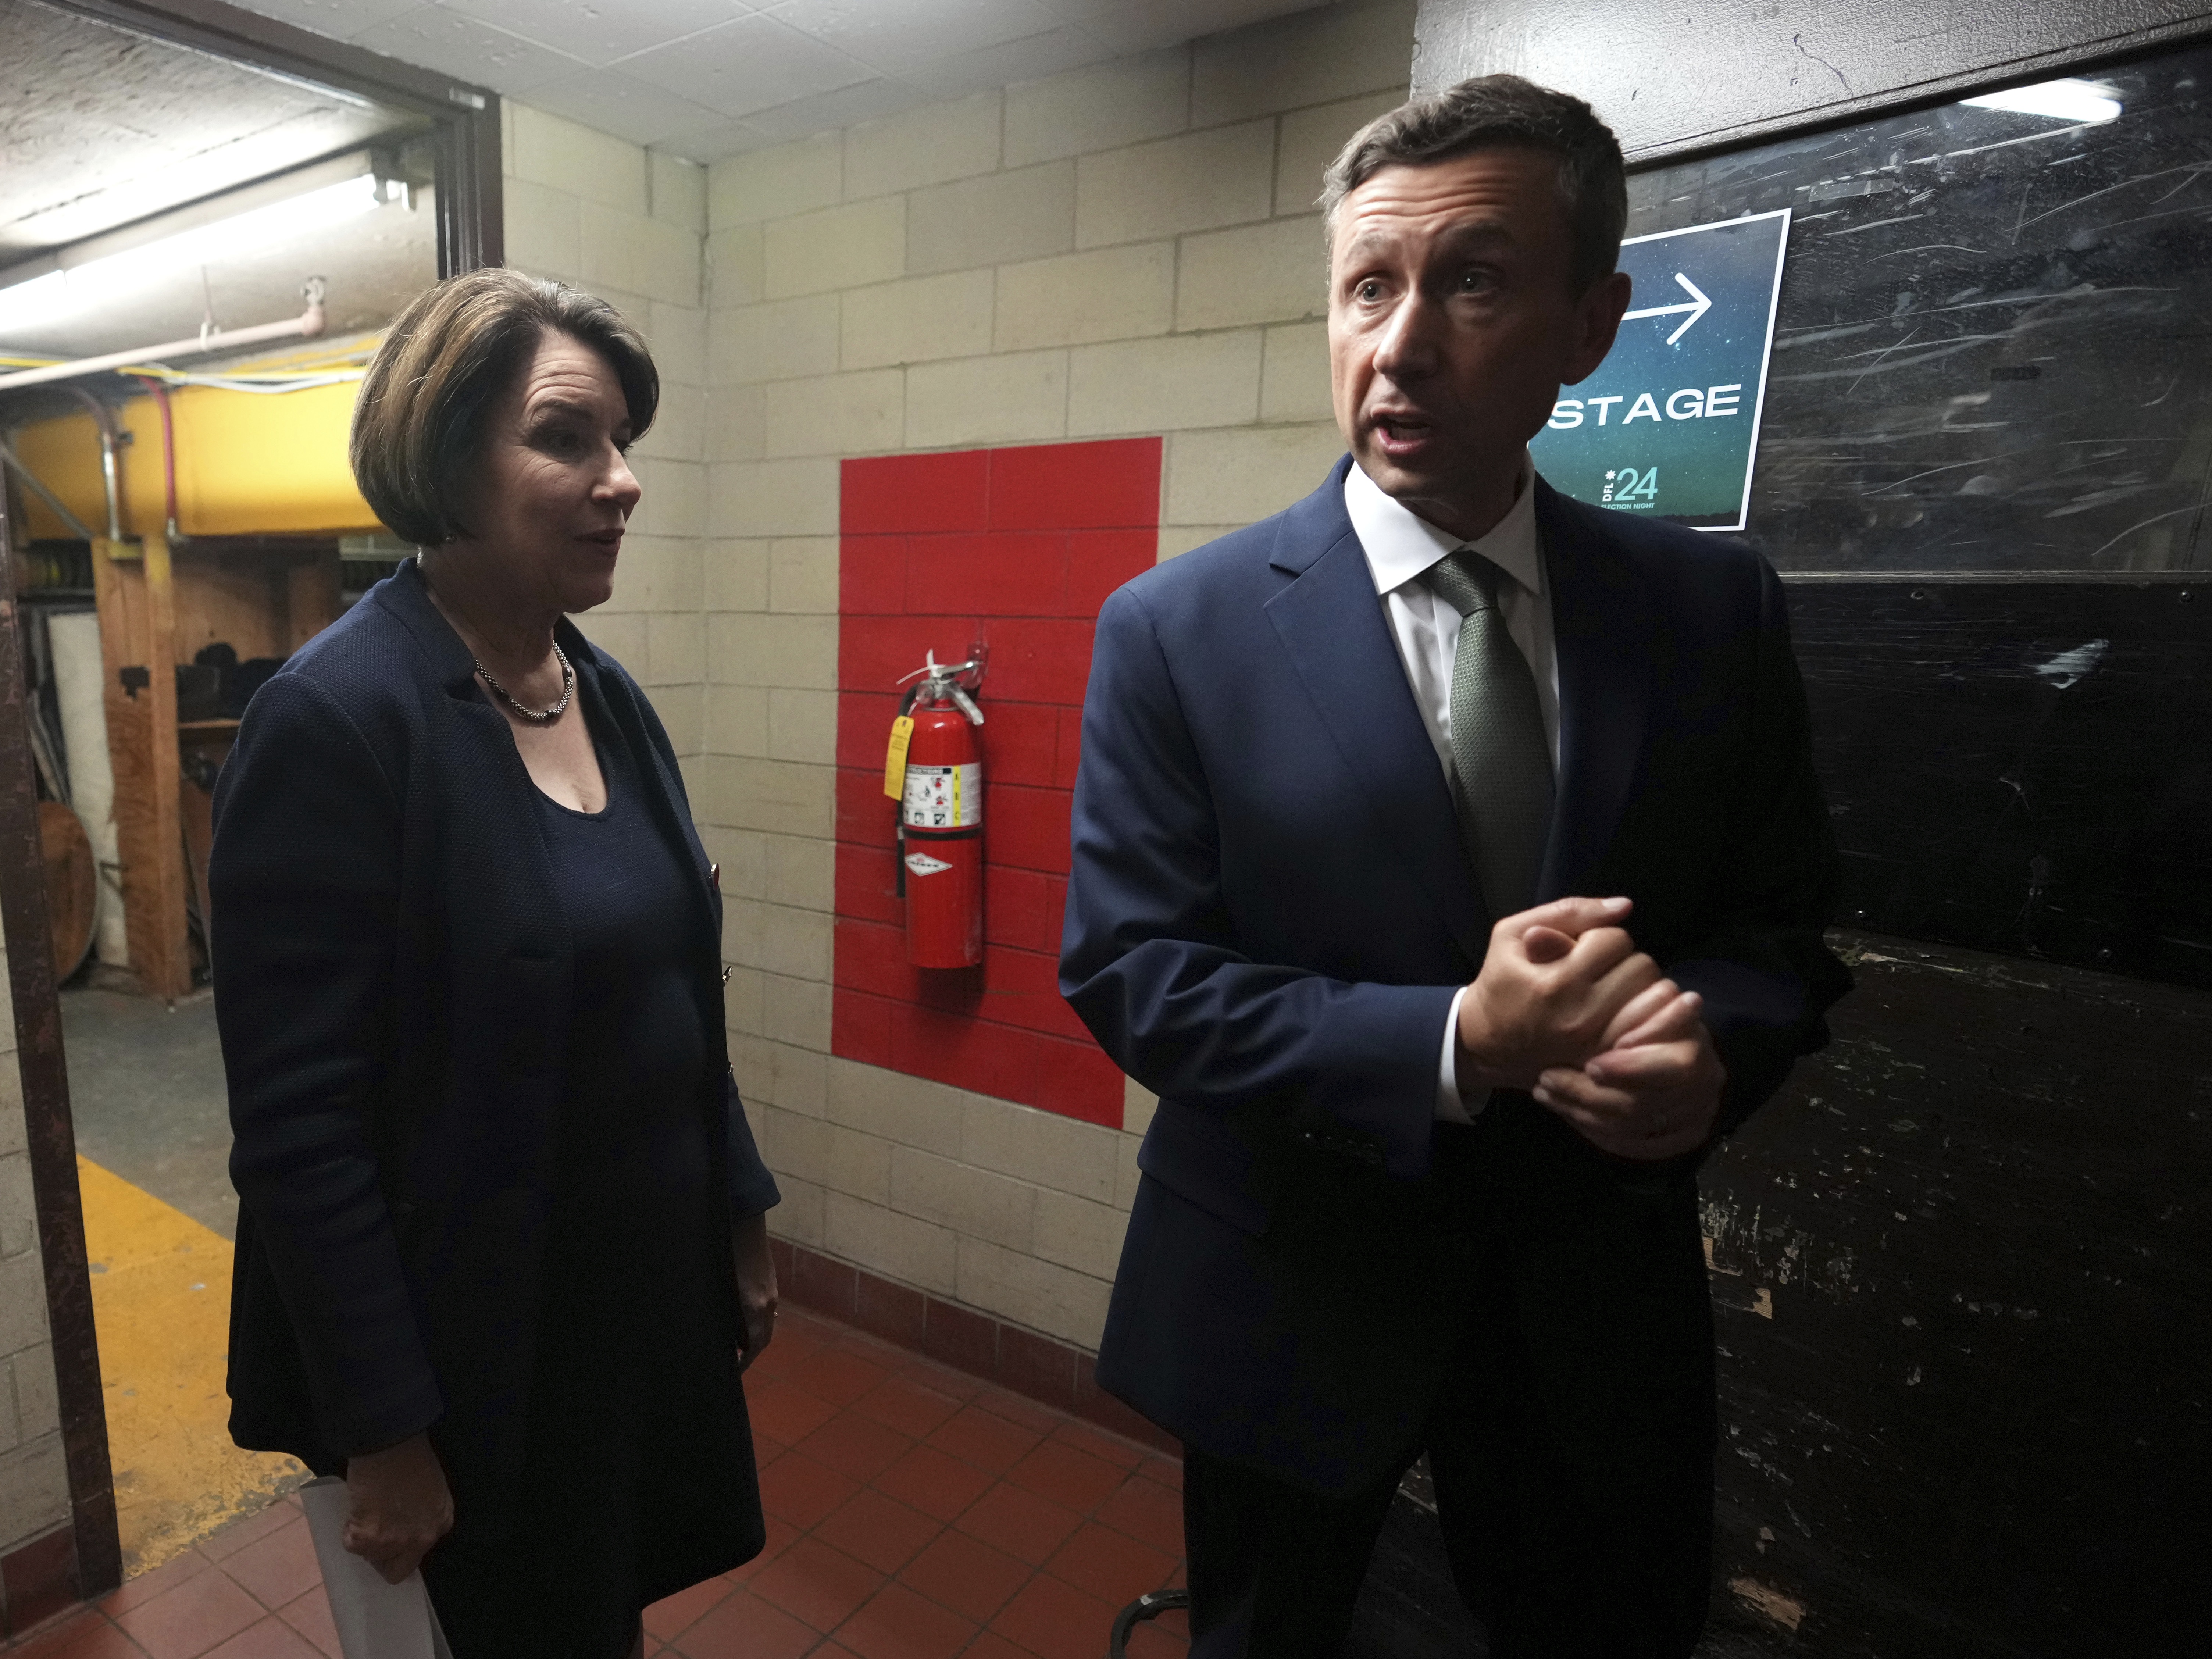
<point x="1697" y="304"/>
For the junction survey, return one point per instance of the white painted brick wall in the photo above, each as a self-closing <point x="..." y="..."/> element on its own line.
<point x="1309" y="141"/>
<point x="926" y="146"/>
<point x="1091" y="110"/>
<point x="1130" y="248"/>
<point x="918" y="319"/>
<point x="1311" y="58"/>
<point x="630" y="226"/>
<point x="1010" y="398"/>
<point x="34" y="1480"/>
<point x="993" y="219"/>
<point x="1200" y="180"/>
<point x="836" y="247"/>
<point x="1115" y="294"/>
<point x="1266" y="273"/>
<point x="1159" y="385"/>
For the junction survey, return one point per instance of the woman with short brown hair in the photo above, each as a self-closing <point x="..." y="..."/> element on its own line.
<point x="502" y="1246"/>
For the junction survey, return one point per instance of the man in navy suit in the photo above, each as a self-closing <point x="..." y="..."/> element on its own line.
<point x="1448" y="859"/>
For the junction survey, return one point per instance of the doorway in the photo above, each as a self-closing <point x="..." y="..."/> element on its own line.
<point x="212" y="218"/>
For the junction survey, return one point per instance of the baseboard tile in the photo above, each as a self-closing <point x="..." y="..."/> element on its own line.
<point x="1040" y="1368"/>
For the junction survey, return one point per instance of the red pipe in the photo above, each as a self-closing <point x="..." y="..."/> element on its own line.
<point x="168" y="449"/>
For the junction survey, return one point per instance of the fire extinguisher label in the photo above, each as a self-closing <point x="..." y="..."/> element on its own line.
<point x="944" y="797"/>
<point x="923" y="864"/>
<point x="894" y="757"/>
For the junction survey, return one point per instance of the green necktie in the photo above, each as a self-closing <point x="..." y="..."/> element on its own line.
<point x="1501" y="759"/>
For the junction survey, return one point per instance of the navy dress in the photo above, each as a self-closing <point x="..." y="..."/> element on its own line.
<point x="638" y="1477"/>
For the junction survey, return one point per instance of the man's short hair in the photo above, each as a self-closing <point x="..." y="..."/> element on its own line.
<point x="451" y="355"/>
<point x="1501" y="110"/>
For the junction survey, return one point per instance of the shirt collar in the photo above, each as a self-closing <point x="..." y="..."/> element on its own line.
<point x="1401" y="545"/>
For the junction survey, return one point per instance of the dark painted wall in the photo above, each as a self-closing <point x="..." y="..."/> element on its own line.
<point x="1672" y="78"/>
<point x="1960" y="1271"/>
<point x="1963" y="1265"/>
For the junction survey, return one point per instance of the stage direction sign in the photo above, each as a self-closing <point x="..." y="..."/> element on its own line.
<point x="1669" y="423"/>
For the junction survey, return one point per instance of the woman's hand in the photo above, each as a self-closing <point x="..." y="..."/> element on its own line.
<point x="755" y="1287"/>
<point x="400" y="1506"/>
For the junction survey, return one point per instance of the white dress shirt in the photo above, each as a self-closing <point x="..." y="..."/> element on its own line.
<point x="1401" y="548"/>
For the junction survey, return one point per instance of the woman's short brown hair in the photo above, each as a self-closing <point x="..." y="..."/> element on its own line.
<point x="451" y="355"/>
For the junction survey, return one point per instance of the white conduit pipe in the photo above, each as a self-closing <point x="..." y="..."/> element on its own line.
<point x="306" y="325"/>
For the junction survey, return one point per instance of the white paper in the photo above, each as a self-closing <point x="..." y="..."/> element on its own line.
<point x="376" y="1620"/>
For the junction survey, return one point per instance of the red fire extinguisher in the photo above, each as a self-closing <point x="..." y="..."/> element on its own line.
<point x="935" y="772"/>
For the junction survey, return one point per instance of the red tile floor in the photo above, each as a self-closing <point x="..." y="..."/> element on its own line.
<point x="914" y="1512"/>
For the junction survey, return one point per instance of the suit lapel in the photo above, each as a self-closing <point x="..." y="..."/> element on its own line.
<point x="1331" y="622"/>
<point x="481" y="728"/>
<point x="1601" y="630"/>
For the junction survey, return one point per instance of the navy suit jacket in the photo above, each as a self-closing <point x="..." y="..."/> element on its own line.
<point x="393" y="972"/>
<point x="1270" y="910"/>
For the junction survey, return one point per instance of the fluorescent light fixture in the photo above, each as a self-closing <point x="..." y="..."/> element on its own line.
<point x="2082" y="102"/>
<point x="74" y="286"/>
<point x="38" y="297"/>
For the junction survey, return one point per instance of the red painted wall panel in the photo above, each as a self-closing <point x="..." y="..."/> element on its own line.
<point x="1019" y="547"/>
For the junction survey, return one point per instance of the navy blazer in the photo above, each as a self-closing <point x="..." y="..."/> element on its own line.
<point x="1270" y="910"/>
<point x="392" y="975"/>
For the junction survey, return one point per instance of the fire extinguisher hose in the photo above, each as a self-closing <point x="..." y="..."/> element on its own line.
<point x="906" y="708"/>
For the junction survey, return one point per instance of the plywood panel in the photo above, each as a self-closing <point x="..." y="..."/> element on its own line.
<point x="237" y="599"/>
<point x="137" y="623"/>
<point x="311" y="601"/>
<point x="202" y="752"/>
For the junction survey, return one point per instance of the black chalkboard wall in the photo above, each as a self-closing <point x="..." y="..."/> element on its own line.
<point x="1992" y="376"/>
<point x="1993" y="352"/>
<point x="1963" y="1266"/>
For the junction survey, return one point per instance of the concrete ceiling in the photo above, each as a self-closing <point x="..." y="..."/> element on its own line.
<point x="100" y="127"/>
<point x="708" y="78"/>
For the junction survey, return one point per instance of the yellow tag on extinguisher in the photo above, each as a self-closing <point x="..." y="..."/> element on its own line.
<point x="894" y="757"/>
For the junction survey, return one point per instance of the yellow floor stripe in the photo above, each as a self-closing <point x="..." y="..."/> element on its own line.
<point x="161" y="1302"/>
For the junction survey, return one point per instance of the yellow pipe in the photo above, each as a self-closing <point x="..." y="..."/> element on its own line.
<point x="247" y="464"/>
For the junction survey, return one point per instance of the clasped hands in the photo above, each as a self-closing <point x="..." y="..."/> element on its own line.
<point x="1568" y="1008"/>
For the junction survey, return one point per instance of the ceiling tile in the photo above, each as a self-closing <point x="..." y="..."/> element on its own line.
<point x="898" y="35"/>
<point x="460" y="47"/>
<point x="725" y="138"/>
<point x="1141" y="25"/>
<point x="607" y="100"/>
<point x="1031" y="58"/>
<point x="600" y="33"/>
<point x="342" y="20"/>
<point x="753" y="63"/>
<point x="868" y="101"/>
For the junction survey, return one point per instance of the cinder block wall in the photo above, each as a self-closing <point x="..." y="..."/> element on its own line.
<point x="34" y="1480"/>
<point x="1119" y="251"/>
<point x="628" y="224"/>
